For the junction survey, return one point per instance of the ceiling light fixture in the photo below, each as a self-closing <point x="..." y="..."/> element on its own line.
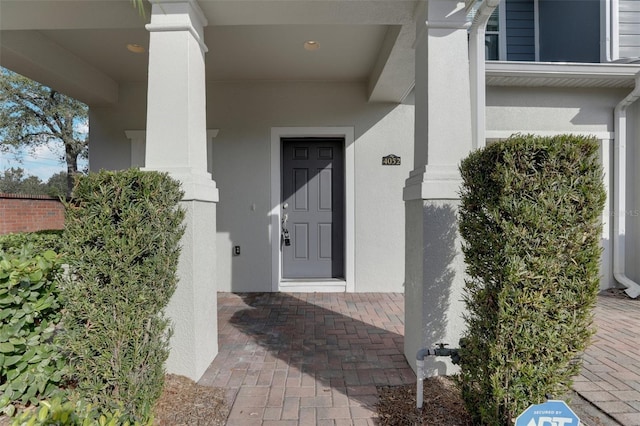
<point x="311" y="45"/>
<point x="136" y="48"/>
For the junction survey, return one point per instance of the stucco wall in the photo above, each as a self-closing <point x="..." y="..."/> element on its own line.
<point x="110" y="148"/>
<point x="551" y="109"/>
<point x="244" y="115"/>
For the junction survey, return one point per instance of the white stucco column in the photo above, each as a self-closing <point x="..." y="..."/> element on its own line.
<point x="177" y="143"/>
<point x="434" y="275"/>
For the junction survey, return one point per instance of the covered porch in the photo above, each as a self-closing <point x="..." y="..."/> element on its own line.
<point x="209" y="91"/>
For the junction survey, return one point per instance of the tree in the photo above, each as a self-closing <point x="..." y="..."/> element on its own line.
<point x="14" y="181"/>
<point x="56" y="186"/>
<point x="32" y="115"/>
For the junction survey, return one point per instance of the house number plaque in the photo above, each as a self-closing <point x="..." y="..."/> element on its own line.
<point x="391" y="160"/>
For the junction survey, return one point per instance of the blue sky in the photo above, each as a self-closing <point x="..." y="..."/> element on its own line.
<point x="42" y="162"/>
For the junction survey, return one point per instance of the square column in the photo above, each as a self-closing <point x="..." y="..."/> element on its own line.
<point x="434" y="277"/>
<point x="177" y="143"/>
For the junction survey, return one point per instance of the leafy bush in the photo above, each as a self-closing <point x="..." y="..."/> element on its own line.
<point x="122" y="243"/>
<point x="31" y="366"/>
<point x="61" y="412"/>
<point x="531" y="219"/>
<point x="40" y="241"/>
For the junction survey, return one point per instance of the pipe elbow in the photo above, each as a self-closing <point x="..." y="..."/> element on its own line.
<point x="632" y="288"/>
<point x="422" y="353"/>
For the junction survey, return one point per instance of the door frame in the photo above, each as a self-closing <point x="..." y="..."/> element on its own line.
<point x="348" y="283"/>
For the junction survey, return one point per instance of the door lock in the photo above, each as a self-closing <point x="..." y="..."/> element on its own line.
<point x="285" y="237"/>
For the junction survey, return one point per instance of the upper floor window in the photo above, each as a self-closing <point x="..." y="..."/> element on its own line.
<point x="495" y="38"/>
<point x="492" y="37"/>
<point x="545" y="30"/>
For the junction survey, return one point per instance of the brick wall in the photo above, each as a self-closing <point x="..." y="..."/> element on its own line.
<point x="28" y="213"/>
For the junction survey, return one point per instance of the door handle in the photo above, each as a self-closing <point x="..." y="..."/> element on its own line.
<point x="285" y="232"/>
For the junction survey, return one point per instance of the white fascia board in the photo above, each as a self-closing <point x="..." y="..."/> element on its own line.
<point x="562" y="69"/>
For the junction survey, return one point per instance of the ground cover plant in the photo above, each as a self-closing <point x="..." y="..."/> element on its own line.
<point x="36" y="242"/>
<point x="530" y="217"/>
<point x="31" y="365"/>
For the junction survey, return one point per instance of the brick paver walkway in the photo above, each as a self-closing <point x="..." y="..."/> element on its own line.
<point x="308" y="358"/>
<point x="610" y="377"/>
<point x="315" y="358"/>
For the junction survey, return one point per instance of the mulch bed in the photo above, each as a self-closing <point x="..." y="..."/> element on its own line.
<point x="184" y="402"/>
<point x="443" y="405"/>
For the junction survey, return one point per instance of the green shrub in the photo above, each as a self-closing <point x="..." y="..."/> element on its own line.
<point x="31" y="366"/>
<point x="60" y="412"/>
<point x="40" y="241"/>
<point x="122" y="243"/>
<point x="531" y="219"/>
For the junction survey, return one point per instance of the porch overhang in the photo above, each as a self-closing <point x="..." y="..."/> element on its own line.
<point x="364" y="41"/>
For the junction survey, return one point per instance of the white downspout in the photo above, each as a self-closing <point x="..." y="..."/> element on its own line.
<point x="605" y="31"/>
<point x="620" y="191"/>
<point x="477" y="71"/>
<point x="615" y="31"/>
<point x="610" y="36"/>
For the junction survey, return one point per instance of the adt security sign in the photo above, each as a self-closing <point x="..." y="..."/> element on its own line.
<point x="550" y="413"/>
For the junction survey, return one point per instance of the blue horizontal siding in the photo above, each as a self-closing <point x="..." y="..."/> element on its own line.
<point x="525" y="57"/>
<point x="629" y="28"/>
<point x="520" y="30"/>
<point x="521" y="50"/>
<point x="629" y="6"/>
<point x="519" y="5"/>
<point x="520" y="43"/>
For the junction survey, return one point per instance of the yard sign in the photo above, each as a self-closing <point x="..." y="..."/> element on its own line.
<point x="550" y="413"/>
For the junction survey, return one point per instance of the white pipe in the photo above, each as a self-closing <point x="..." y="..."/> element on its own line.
<point x="420" y="384"/>
<point x="477" y="70"/>
<point x="420" y="376"/>
<point x="615" y="31"/>
<point x="620" y="191"/>
<point x="605" y="31"/>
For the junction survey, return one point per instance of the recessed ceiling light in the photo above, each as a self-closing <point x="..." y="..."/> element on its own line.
<point x="311" y="45"/>
<point x="136" y="48"/>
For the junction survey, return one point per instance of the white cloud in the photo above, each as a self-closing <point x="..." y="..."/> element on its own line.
<point x="50" y="151"/>
<point x="81" y="127"/>
<point x="43" y="161"/>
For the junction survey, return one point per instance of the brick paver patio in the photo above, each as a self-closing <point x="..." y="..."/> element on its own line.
<point x="308" y="358"/>
<point x="316" y="358"/>
<point x="610" y="378"/>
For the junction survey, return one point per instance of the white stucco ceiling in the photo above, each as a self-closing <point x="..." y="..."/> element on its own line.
<point x="79" y="46"/>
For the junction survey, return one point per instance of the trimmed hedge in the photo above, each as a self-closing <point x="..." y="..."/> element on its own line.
<point x="122" y="244"/>
<point x="530" y="217"/>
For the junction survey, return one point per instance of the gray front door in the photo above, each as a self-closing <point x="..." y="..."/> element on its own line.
<point x="312" y="208"/>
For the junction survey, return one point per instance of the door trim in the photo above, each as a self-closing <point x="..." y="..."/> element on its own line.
<point x="277" y="283"/>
